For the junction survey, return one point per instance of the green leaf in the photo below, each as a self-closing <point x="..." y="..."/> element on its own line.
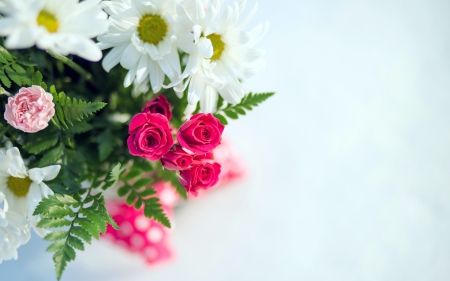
<point x="76" y="243"/>
<point x="89" y="226"/>
<point x="247" y="103"/>
<point x="114" y="176"/>
<point x="57" y="246"/>
<point x="18" y="68"/>
<point x="37" y="146"/>
<point x="37" y="78"/>
<point x="231" y="114"/>
<point x="221" y="118"/>
<point x="132" y="174"/>
<point x="142" y="182"/>
<point x="68" y="109"/>
<point x="5" y="80"/>
<point x="13" y="75"/>
<point x="80" y="232"/>
<point x="106" y="141"/>
<point x="56" y="235"/>
<point x="123" y="190"/>
<point x="51" y="223"/>
<point x="130" y="198"/>
<point x="51" y="156"/>
<point x="147" y="192"/>
<point x="153" y="210"/>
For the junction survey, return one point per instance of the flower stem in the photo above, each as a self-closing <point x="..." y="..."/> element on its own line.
<point x="71" y="64"/>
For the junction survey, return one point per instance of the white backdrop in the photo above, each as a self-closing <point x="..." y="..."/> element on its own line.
<point x="348" y="162"/>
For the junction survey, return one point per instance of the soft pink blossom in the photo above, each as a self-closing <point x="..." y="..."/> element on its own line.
<point x="30" y="109"/>
<point x="177" y="159"/>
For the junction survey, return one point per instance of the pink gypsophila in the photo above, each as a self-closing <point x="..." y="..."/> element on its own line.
<point x="30" y="109"/>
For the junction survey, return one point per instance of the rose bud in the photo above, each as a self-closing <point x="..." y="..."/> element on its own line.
<point x="200" y="176"/>
<point x="158" y="104"/>
<point x="30" y="109"/>
<point x="177" y="159"/>
<point x="201" y="133"/>
<point x="150" y="136"/>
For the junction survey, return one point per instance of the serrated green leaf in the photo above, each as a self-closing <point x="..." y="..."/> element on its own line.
<point x="80" y="232"/>
<point x="58" y="211"/>
<point x="2" y="59"/>
<point x="114" y="176"/>
<point x="56" y="235"/>
<point x="70" y="253"/>
<point x="57" y="246"/>
<point x="230" y="113"/>
<point x="123" y="190"/>
<point x="51" y="156"/>
<point x="66" y="199"/>
<point x="96" y="218"/>
<point x="142" y="182"/>
<point x="130" y="198"/>
<point x="13" y="75"/>
<point x="5" y="80"/>
<point x="221" y="118"/>
<point x="89" y="226"/>
<point x="52" y="223"/>
<point x="106" y="143"/>
<point x="40" y="145"/>
<point x="147" y="192"/>
<point x="19" y="69"/>
<point x="132" y="174"/>
<point x="37" y="78"/>
<point x="75" y="242"/>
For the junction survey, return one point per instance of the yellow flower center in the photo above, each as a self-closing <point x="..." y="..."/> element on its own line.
<point x="48" y="21"/>
<point x="19" y="186"/>
<point x="152" y="29"/>
<point x="218" y="46"/>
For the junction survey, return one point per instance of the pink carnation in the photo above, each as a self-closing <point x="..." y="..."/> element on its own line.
<point x="30" y="110"/>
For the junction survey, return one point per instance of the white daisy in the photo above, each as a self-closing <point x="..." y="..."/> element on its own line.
<point x="14" y="231"/>
<point x="141" y="35"/>
<point x="23" y="188"/>
<point x="221" y="52"/>
<point x="63" y="27"/>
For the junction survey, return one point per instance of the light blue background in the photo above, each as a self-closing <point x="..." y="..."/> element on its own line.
<point x="349" y="161"/>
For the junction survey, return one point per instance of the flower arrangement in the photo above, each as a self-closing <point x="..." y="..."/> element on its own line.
<point x="78" y="128"/>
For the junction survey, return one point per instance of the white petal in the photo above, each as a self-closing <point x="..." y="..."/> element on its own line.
<point x="208" y="102"/>
<point x="129" y="77"/>
<point x="205" y="48"/>
<point x="130" y="57"/>
<point x="36" y="175"/>
<point x="142" y="69"/>
<point x="113" y="57"/>
<point x="51" y="172"/>
<point x="45" y="190"/>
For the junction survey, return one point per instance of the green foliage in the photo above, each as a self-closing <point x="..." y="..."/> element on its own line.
<point x="172" y="177"/>
<point x="233" y="111"/>
<point x="69" y="110"/>
<point x="85" y="218"/>
<point x="140" y="194"/>
<point x="15" y="68"/>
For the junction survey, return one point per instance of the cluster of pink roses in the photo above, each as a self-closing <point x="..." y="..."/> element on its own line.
<point x="151" y="138"/>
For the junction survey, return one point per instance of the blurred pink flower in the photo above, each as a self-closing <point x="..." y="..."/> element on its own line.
<point x="30" y="109"/>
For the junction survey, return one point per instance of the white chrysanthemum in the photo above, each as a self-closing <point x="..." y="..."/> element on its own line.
<point x="23" y="188"/>
<point x="141" y="34"/>
<point x="14" y="231"/>
<point x="64" y="27"/>
<point x="221" y="52"/>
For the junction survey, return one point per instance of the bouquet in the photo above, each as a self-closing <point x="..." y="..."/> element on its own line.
<point x="114" y="99"/>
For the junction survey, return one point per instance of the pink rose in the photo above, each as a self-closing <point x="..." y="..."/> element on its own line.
<point x="202" y="175"/>
<point x="30" y="109"/>
<point x="201" y="133"/>
<point x="150" y="136"/>
<point x="158" y="104"/>
<point x="177" y="159"/>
